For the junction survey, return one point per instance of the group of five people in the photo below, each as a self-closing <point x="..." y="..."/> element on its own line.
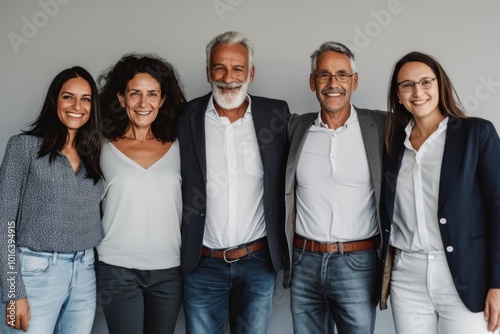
<point x="201" y="203"/>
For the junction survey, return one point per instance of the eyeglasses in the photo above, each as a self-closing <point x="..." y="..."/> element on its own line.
<point x="326" y="77"/>
<point x="407" y="85"/>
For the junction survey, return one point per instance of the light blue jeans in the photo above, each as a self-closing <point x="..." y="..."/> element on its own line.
<point x="61" y="290"/>
<point x="240" y="293"/>
<point x="333" y="289"/>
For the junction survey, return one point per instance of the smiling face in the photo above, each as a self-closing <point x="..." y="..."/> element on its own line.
<point x="421" y="103"/>
<point x="74" y="103"/>
<point x="142" y="100"/>
<point x="333" y="96"/>
<point x="229" y="75"/>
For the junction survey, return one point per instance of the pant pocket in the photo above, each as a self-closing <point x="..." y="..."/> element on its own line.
<point x="362" y="260"/>
<point x="396" y="257"/>
<point x="33" y="264"/>
<point x="297" y="256"/>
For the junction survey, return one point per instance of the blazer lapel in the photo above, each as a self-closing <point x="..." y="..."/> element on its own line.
<point x="260" y="122"/>
<point x="261" y="116"/>
<point x="298" y="130"/>
<point x="392" y="166"/>
<point x="453" y="150"/>
<point x="373" y="149"/>
<point x="198" y="126"/>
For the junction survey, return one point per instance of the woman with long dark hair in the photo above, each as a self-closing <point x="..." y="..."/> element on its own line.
<point x="50" y="192"/>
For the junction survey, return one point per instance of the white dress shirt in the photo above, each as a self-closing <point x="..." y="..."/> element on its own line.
<point x="335" y="196"/>
<point x="235" y="181"/>
<point x="415" y="220"/>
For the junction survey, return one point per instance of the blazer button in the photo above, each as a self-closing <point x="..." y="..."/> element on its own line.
<point x="449" y="249"/>
<point x="202" y="214"/>
<point x="443" y="221"/>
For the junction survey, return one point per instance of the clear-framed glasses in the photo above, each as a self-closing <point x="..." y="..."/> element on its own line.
<point x="326" y="77"/>
<point x="407" y="85"/>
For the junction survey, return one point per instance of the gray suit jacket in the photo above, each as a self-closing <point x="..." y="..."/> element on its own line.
<point x="372" y="123"/>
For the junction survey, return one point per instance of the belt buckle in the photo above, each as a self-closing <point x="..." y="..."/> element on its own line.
<point x="224" y="255"/>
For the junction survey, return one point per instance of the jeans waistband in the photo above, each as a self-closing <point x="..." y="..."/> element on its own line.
<point x="433" y="255"/>
<point x="54" y="256"/>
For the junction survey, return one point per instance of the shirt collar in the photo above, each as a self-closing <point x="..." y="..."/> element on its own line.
<point x="411" y="124"/>
<point x="442" y="126"/>
<point x="352" y="117"/>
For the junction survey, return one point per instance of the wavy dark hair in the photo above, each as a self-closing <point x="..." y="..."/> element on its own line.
<point x="88" y="138"/>
<point x="114" y="81"/>
<point x="398" y="116"/>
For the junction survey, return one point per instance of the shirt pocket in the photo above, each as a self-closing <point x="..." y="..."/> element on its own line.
<point x="253" y="161"/>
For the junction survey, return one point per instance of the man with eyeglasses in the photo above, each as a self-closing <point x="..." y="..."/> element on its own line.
<point x="333" y="182"/>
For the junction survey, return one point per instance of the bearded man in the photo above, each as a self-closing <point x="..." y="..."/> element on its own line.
<point x="233" y="157"/>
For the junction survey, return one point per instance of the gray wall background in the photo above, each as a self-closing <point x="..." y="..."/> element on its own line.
<point x="40" y="38"/>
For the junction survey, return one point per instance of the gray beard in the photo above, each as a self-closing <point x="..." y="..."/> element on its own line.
<point x="231" y="100"/>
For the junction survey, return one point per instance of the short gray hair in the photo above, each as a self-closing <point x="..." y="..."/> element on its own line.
<point x="332" y="46"/>
<point x="230" y="37"/>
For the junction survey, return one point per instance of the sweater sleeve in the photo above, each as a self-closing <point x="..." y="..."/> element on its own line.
<point x="13" y="173"/>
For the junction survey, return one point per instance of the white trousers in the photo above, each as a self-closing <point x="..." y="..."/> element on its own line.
<point x="424" y="299"/>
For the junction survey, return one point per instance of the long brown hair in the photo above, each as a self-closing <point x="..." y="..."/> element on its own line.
<point x="398" y="116"/>
<point x="54" y="133"/>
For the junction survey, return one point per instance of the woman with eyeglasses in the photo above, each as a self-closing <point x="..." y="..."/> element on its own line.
<point x="442" y="207"/>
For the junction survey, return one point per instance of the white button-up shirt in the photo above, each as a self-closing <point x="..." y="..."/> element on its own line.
<point x="335" y="196"/>
<point x="415" y="221"/>
<point x="235" y="188"/>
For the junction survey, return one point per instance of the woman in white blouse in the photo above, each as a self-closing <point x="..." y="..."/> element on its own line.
<point x="442" y="201"/>
<point x="140" y="282"/>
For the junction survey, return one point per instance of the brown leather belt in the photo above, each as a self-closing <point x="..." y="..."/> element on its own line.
<point x="233" y="254"/>
<point x="337" y="247"/>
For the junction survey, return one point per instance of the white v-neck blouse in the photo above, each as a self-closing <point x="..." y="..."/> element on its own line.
<point x="142" y="211"/>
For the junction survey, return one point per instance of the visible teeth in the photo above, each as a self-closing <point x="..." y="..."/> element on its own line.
<point x="419" y="102"/>
<point x="333" y="94"/>
<point x="143" y="112"/>
<point x="74" y="115"/>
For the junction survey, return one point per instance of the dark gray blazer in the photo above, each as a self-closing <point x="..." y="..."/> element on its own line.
<point x="270" y="119"/>
<point x="372" y="123"/>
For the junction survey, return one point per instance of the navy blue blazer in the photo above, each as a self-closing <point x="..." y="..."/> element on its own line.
<point x="468" y="208"/>
<point x="270" y="119"/>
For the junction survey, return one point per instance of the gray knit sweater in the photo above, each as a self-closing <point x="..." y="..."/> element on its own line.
<point x="44" y="206"/>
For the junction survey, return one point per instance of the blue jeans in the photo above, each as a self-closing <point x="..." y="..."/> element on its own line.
<point x="61" y="291"/>
<point x="333" y="289"/>
<point x="241" y="291"/>
<point x="140" y="301"/>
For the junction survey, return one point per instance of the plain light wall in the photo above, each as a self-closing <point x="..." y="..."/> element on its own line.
<point x="40" y="38"/>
